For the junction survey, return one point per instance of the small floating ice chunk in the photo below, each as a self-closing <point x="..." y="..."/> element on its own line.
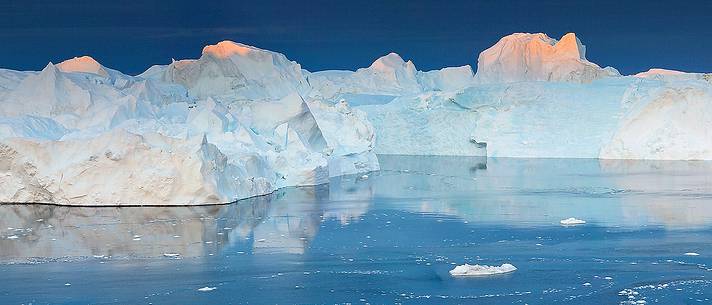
<point x="67" y="284"/>
<point x="692" y="254"/>
<point x="12" y="237"/>
<point x="364" y="177"/>
<point x="206" y="289"/>
<point x="587" y="284"/>
<point x="172" y="255"/>
<point x="572" y="221"/>
<point x="481" y="270"/>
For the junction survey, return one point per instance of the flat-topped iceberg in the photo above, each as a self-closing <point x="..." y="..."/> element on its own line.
<point x="481" y="270"/>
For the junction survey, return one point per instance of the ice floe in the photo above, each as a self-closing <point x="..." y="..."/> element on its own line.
<point x="572" y="221"/>
<point x="481" y="270"/>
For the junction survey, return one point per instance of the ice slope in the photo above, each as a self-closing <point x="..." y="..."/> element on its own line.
<point x="537" y="57"/>
<point x="120" y="167"/>
<point x="670" y="121"/>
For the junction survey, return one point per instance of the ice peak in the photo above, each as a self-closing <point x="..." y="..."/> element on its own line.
<point x="50" y="73"/>
<point x="571" y="46"/>
<point x="84" y="64"/>
<point x="392" y="61"/>
<point x="538" y="57"/>
<point x="227" y="48"/>
<point x="50" y="67"/>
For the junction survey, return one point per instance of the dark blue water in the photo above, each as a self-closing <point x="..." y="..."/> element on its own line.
<point x="389" y="238"/>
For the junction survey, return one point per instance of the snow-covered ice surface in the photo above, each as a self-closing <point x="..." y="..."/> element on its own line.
<point x="481" y="270"/>
<point x="401" y="230"/>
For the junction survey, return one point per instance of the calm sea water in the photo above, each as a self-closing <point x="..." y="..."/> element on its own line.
<point x="387" y="238"/>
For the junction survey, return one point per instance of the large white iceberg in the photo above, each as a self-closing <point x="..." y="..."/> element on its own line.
<point x="230" y="125"/>
<point x="240" y="121"/>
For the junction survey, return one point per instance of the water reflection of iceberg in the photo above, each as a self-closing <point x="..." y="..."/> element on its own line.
<point x="502" y="192"/>
<point x="677" y="194"/>
<point x="283" y="222"/>
<point x="54" y="231"/>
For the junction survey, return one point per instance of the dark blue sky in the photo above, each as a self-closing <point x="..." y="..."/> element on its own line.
<point x="629" y="35"/>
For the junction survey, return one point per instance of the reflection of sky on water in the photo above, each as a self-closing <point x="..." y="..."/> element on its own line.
<point x="516" y="193"/>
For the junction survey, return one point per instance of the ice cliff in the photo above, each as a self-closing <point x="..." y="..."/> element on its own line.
<point x="240" y="121"/>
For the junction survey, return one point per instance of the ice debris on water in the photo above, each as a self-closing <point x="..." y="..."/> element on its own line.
<point x="572" y="221"/>
<point x="207" y="289"/>
<point x="481" y="270"/>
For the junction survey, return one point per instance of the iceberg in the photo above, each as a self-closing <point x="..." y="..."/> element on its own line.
<point x="481" y="270"/>
<point x="240" y="121"/>
<point x="78" y="133"/>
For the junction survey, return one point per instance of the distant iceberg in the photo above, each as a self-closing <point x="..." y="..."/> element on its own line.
<point x="572" y="221"/>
